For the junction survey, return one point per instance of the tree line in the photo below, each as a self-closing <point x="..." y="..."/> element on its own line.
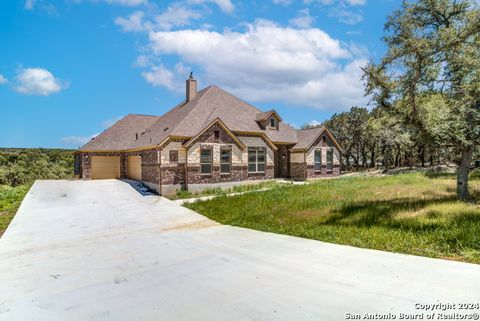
<point x="20" y="166"/>
<point x="425" y="92"/>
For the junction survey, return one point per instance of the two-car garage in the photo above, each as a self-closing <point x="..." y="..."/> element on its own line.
<point x="108" y="167"/>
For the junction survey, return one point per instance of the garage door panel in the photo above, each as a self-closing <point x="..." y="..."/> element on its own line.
<point x="105" y="167"/>
<point x="134" y="167"/>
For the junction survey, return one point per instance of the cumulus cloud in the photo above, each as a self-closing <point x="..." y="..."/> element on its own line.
<point x="76" y="141"/>
<point x="302" y="20"/>
<point x="160" y="76"/>
<point x="3" y="80"/>
<point x="38" y="81"/>
<point x="314" y="123"/>
<point x="261" y="64"/>
<point x="356" y="2"/>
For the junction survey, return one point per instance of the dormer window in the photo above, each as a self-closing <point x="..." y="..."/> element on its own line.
<point x="272" y="123"/>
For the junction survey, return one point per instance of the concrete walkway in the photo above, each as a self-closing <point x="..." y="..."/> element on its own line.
<point x="98" y="250"/>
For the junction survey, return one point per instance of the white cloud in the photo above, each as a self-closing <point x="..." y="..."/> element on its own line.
<point x="261" y="64"/>
<point x="282" y="2"/>
<point x="314" y="123"/>
<point x="76" y="141"/>
<point x="224" y="5"/>
<point x="134" y="22"/>
<point x="302" y="20"/>
<point x="38" y="81"/>
<point x="3" y="80"/>
<point x="346" y="16"/>
<point x="175" y="16"/>
<point x="356" y="2"/>
<point x="29" y="4"/>
<point x="160" y="76"/>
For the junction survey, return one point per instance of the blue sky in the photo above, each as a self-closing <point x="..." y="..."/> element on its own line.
<point x="69" y="69"/>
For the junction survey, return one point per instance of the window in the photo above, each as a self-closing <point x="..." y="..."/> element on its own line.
<point x="272" y="122"/>
<point x="324" y="139"/>
<point x="256" y="159"/>
<point x="318" y="159"/>
<point x="173" y="156"/>
<point x="330" y="160"/>
<point x="225" y="160"/>
<point x="216" y="135"/>
<point x="206" y="160"/>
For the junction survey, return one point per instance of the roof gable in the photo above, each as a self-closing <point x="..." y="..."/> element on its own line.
<point x="307" y="137"/>
<point x="218" y="122"/>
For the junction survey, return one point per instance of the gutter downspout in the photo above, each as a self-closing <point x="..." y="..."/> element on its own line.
<point x="159" y="161"/>
<point x="186" y="169"/>
<point x="305" y="162"/>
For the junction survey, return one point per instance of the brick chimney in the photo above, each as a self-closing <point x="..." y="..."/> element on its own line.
<point x="191" y="88"/>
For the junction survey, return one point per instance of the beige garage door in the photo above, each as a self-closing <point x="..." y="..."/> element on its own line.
<point x="104" y="167"/>
<point x="135" y="167"/>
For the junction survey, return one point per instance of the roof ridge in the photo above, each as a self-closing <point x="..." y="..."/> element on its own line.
<point x="204" y="92"/>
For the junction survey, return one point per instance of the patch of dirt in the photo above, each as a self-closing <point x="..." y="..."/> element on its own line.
<point x="191" y="226"/>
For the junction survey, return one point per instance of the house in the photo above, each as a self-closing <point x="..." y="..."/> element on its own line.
<point x="211" y="139"/>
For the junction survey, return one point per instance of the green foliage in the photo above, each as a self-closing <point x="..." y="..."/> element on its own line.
<point x="10" y="199"/>
<point x="408" y="213"/>
<point x="23" y="166"/>
<point x="432" y="69"/>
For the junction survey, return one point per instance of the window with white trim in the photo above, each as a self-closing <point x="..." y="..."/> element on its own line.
<point x="225" y="160"/>
<point x="318" y="159"/>
<point x="256" y="159"/>
<point x="206" y="160"/>
<point x="330" y="160"/>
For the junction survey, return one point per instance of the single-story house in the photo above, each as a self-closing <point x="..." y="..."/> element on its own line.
<point x="212" y="138"/>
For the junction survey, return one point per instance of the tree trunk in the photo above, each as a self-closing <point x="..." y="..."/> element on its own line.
<point x="462" y="174"/>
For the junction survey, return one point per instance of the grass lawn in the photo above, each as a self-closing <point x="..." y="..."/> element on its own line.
<point x="411" y="213"/>
<point x="10" y="199"/>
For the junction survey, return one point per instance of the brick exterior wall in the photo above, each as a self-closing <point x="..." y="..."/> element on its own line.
<point x="297" y="171"/>
<point x="312" y="173"/>
<point x="238" y="173"/>
<point x="86" y="159"/>
<point x="173" y="175"/>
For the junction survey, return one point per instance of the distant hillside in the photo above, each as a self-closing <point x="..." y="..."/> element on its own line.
<point x="24" y="165"/>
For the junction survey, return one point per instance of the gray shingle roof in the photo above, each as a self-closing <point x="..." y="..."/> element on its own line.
<point x="121" y="134"/>
<point x="188" y="119"/>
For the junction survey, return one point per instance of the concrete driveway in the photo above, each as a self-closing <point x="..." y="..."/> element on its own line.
<point x="98" y="250"/>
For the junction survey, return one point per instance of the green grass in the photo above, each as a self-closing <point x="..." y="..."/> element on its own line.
<point x="218" y="191"/>
<point x="407" y="213"/>
<point x="10" y="199"/>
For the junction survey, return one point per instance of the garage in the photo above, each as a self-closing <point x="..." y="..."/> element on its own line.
<point x="105" y="167"/>
<point x="134" y="167"/>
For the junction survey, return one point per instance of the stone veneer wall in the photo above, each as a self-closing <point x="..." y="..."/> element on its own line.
<point x="239" y="167"/>
<point x="324" y="146"/>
